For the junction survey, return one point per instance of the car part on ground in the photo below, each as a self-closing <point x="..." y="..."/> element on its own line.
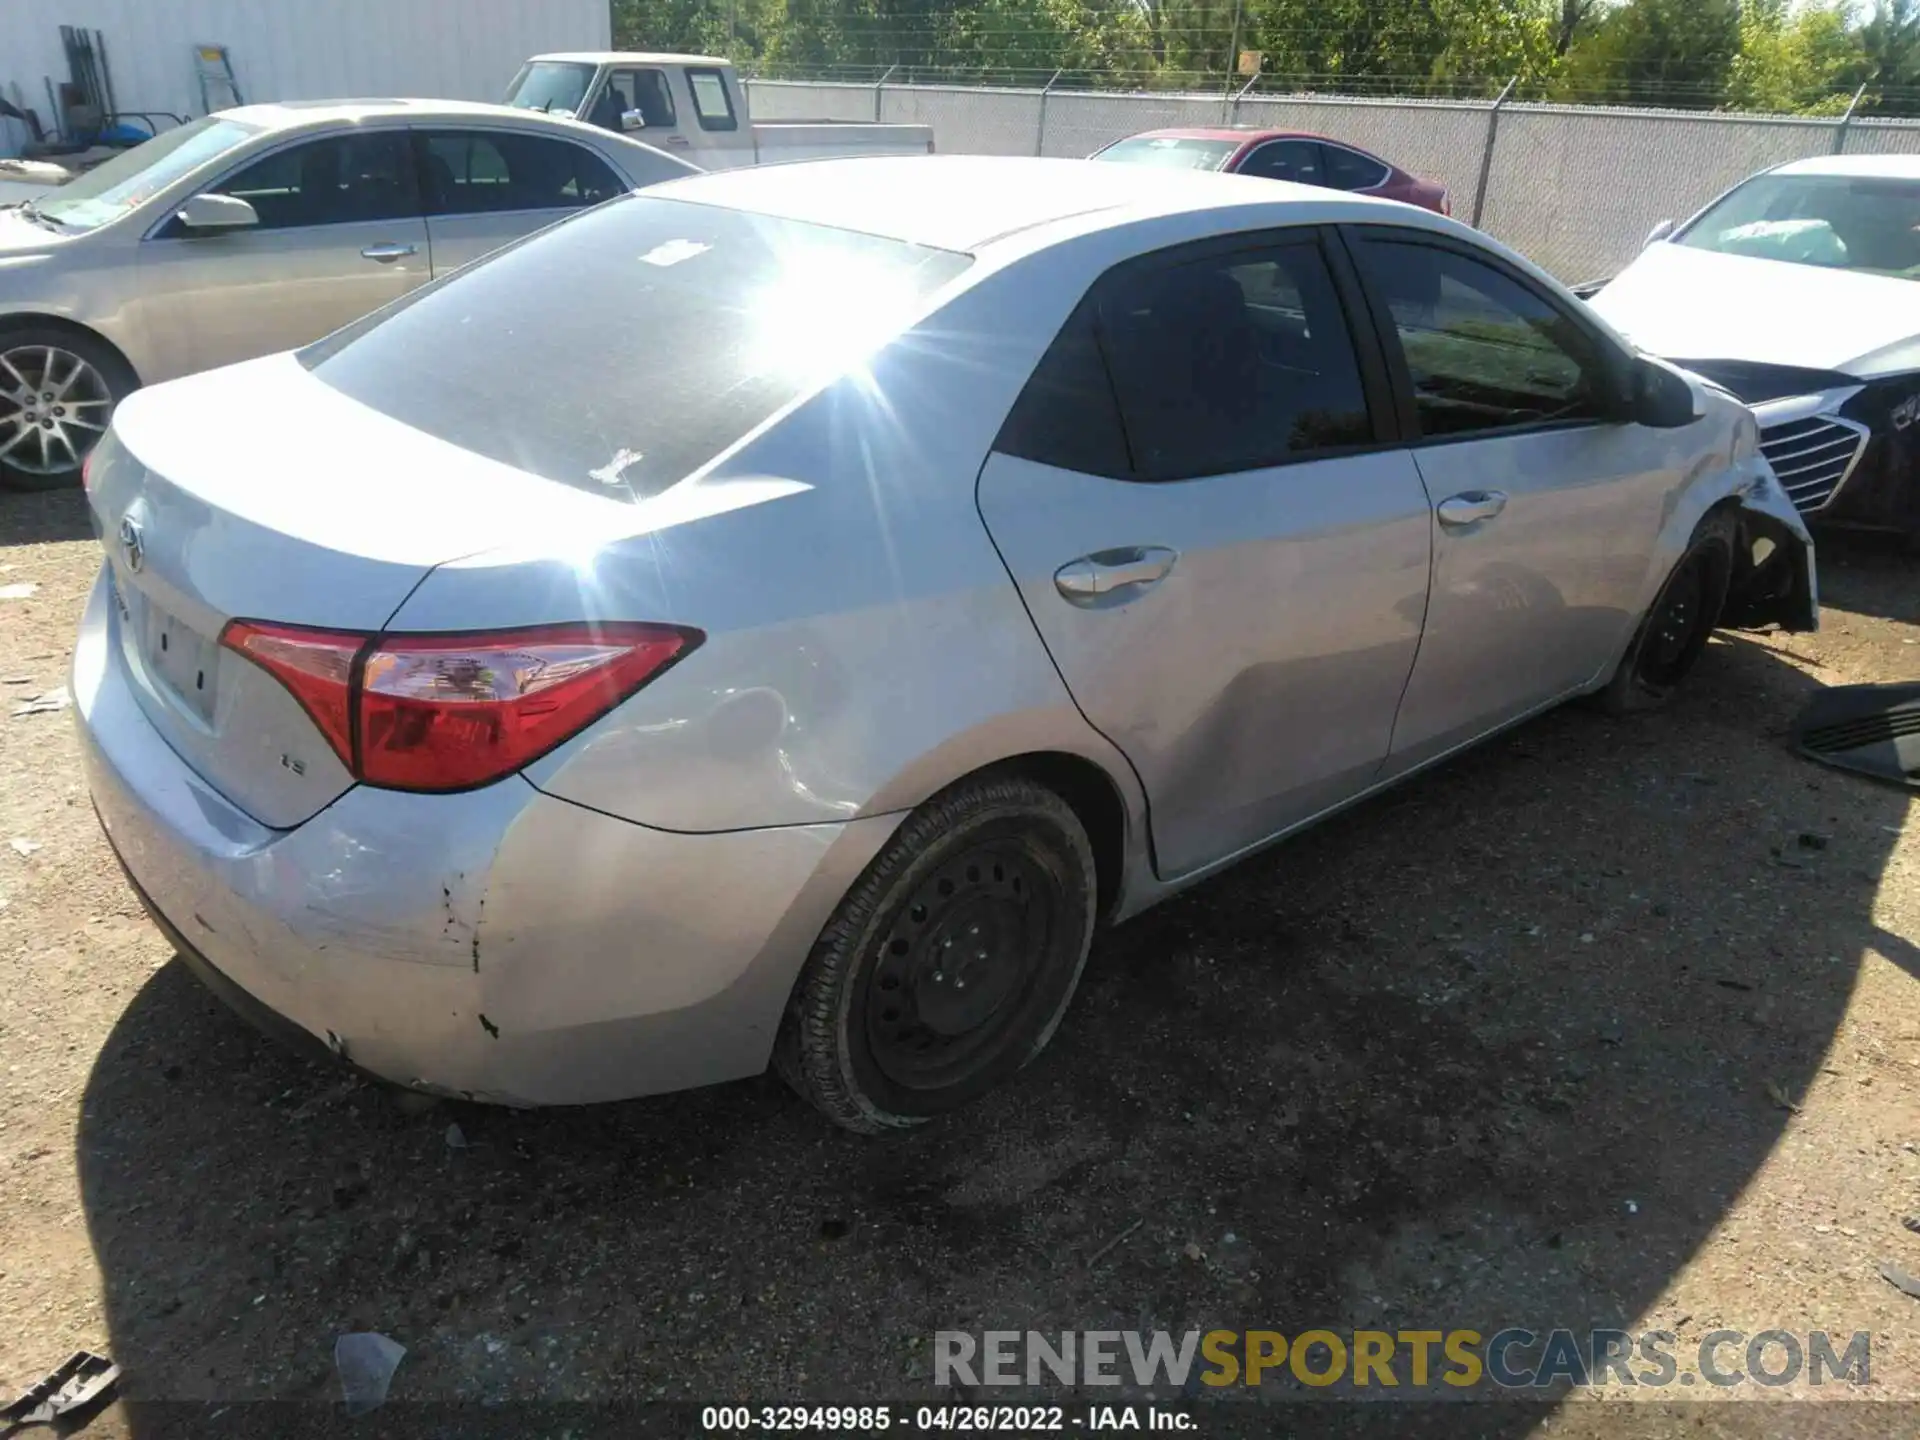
<point x="79" y="1383"/>
<point x="1872" y="730"/>
<point x="1798" y="291"/>
<point x="1027" y="540"/>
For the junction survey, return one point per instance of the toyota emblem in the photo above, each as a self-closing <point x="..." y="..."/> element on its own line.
<point x="132" y="544"/>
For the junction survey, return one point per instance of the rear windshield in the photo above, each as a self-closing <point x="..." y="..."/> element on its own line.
<point x="623" y="349"/>
<point x="1171" y="153"/>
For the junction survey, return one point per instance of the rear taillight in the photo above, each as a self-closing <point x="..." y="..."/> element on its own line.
<point x="449" y="712"/>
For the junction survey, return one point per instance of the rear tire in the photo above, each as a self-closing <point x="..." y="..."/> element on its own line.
<point x="1674" y="632"/>
<point x="58" y="390"/>
<point x="950" y="964"/>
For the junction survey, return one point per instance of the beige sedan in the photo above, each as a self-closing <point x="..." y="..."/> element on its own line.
<point x="257" y="230"/>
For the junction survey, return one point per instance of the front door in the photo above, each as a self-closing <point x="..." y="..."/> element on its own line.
<point x="1546" y="506"/>
<point x="1224" y="551"/>
<point x="484" y="188"/>
<point x="340" y="234"/>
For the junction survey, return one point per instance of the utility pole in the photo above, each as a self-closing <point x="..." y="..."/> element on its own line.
<point x="1233" y="50"/>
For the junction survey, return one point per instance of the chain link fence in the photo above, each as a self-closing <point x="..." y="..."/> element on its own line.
<point x="1576" y="188"/>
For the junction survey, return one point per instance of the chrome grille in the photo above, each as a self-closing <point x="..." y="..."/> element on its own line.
<point x="1812" y="456"/>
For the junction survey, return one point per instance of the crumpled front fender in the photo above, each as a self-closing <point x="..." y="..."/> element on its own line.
<point x="1775" y="580"/>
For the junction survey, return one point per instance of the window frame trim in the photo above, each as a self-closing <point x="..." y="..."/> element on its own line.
<point x="1614" y="364"/>
<point x="726" y="93"/>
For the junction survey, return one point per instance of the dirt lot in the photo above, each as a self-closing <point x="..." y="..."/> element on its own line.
<point x="1607" y="1024"/>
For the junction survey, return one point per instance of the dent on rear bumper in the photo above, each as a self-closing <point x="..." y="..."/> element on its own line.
<point x="501" y="944"/>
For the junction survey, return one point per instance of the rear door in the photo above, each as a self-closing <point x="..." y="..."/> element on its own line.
<point x="484" y="188"/>
<point x="1546" y="507"/>
<point x="340" y="234"/>
<point x="1296" y="159"/>
<point x="1220" y="540"/>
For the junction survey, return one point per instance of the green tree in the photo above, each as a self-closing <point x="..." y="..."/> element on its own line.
<point x="1807" y="60"/>
<point x="1668" y="53"/>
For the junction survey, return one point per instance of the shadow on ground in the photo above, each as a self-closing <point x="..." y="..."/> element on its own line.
<point x="1495" y="1050"/>
<point x="40" y="518"/>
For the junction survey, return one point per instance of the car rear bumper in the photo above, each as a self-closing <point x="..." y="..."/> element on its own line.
<point x="500" y="945"/>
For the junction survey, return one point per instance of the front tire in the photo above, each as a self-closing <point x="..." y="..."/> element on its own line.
<point x="950" y="964"/>
<point x="58" y="390"/>
<point x="1674" y="633"/>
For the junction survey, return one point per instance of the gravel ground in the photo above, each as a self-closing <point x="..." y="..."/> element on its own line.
<point x="1606" y="1024"/>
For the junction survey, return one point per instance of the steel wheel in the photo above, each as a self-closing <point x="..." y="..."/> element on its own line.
<point x="1677" y="621"/>
<point x="951" y="972"/>
<point x="54" y="407"/>
<point x="1674" y="634"/>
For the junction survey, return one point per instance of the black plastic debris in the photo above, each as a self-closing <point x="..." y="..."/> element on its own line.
<point x="80" y="1383"/>
<point x="1872" y="730"/>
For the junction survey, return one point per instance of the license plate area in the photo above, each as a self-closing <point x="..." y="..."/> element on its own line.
<point x="183" y="660"/>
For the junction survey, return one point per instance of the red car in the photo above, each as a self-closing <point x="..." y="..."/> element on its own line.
<point x="1279" y="155"/>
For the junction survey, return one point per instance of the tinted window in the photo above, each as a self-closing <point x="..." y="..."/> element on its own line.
<point x="1350" y="170"/>
<point x="338" y="180"/>
<point x="1066" y="416"/>
<point x="710" y="100"/>
<point x="475" y="172"/>
<point x="1484" y="352"/>
<point x="660" y="332"/>
<point x="1231" y="363"/>
<point x="1296" y="160"/>
<point x="1171" y="152"/>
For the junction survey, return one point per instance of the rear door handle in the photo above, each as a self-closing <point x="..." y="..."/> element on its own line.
<point x="1129" y="572"/>
<point x="1470" y="507"/>
<point x="387" y="253"/>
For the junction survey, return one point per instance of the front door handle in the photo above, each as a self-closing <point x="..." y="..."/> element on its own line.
<point x="1470" y="507"/>
<point x="1119" y="573"/>
<point x="387" y="253"/>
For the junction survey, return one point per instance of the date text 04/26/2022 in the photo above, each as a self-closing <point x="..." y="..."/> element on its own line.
<point x="1006" y="1419"/>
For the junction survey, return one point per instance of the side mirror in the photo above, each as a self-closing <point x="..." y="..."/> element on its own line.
<point x="1661" y="232"/>
<point x="1659" y="398"/>
<point x="632" y="120"/>
<point x="210" y="214"/>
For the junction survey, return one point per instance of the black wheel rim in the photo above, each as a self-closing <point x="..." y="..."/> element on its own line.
<point x="1678" y="625"/>
<point x="947" y="988"/>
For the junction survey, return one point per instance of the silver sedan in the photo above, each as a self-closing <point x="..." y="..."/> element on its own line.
<point x="783" y="614"/>
<point x="260" y="229"/>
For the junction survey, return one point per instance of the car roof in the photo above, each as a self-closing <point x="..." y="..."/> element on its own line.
<point x="1885" y="167"/>
<point x="289" y="114"/>
<point x="970" y="202"/>
<point x="1243" y="135"/>
<point x="627" y="57"/>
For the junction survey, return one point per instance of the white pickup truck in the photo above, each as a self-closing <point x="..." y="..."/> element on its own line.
<point x="694" y="106"/>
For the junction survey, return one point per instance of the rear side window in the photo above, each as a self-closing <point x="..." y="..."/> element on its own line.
<point x="1066" y="417"/>
<point x="1233" y="362"/>
<point x="483" y="172"/>
<point x="710" y="100"/>
<point x="1349" y="170"/>
<point x="653" y="333"/>
<point x="1295" y="160"/>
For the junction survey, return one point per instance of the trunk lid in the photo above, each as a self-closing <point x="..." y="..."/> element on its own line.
<point x="259" y="492"/>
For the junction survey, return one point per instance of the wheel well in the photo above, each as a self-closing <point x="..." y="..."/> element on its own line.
<point x="1095" y="799"/>
<point x="33" y="320"/>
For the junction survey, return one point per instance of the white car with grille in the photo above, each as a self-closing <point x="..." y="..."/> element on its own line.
<point x="1799" y="291"/>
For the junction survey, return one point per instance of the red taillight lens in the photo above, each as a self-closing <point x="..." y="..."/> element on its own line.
<point x="449" y="712"/>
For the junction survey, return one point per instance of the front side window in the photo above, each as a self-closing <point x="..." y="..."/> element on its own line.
<point x="1483" y="352"/>
<point x="1349" y="170"/>
<point x="710" y="100"/>
<point x="483" y="172"/>
<point x="1232" y="362"/>
<point x="635" y="100"/>
<point x="1295" y="160"/>
<point x="1840" y="222"/>
<point x="1170" y="152"/>
<point x="340" y="180"/>
<point x="660" y="333"/>
<point x="103" y="194"/>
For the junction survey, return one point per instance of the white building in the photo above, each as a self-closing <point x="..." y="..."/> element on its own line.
<point x="290" y="49"/>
